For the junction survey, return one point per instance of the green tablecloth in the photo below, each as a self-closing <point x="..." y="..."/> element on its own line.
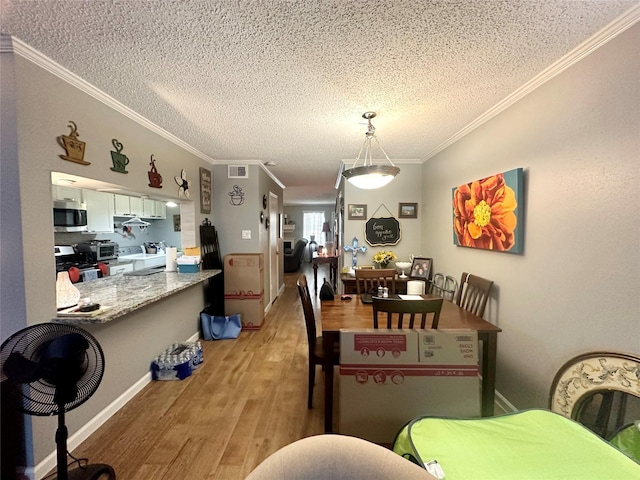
<point x="528" y="445"/>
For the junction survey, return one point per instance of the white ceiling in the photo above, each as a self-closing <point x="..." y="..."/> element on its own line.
<point x="288" y="80"/>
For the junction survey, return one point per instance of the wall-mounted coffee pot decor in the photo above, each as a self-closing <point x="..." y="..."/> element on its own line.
<point x="155" y="179"/>
<point x="119" y="159"/>
<point x="183" y="185"/>
<point x="237" y="196"/>
<point x="73" y="147"/>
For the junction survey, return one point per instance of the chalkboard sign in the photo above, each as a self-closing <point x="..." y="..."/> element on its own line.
<point x="382" y="231"/>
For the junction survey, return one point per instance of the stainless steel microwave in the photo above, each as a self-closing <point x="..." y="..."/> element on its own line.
<point x="69" y="216"/>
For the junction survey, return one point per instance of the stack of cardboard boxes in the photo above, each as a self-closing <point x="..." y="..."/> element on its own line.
<point x="244" y="288"/>
<point x="388" y="377"/>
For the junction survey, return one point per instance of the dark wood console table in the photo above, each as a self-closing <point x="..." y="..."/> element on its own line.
<point x="333" y="269"/>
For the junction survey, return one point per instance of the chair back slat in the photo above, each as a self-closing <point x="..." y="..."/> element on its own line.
<point x="307" y="308"/>
<point x="368" y="280"/>
<point x="473" y="293"/>
<point x="407" y="309"/>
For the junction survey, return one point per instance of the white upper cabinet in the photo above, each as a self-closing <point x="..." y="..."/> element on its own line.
<point x="148" y="208"/>
<point x="153" y="209"/>
<point x="161" y="209"/>
<point x="126" y="206"/>
<point x="99" y="211"/>
<point x="121" y="207"/>
<point x="61" y="192"/>
<point x="135" y="204"/>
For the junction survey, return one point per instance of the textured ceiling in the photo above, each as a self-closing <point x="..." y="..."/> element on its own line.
<point x="288" y="81"/>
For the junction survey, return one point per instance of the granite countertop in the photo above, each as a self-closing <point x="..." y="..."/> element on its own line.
<point x="122" y="294"/>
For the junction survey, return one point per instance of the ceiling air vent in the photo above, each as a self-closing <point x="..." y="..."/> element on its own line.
<point x="238" y="171"/>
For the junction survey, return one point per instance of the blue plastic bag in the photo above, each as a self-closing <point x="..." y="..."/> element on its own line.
<point x="220" y="327"/>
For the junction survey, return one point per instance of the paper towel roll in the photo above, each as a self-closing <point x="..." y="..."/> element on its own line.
<point x="172" y="255"/>
<point x="415" y="287"/>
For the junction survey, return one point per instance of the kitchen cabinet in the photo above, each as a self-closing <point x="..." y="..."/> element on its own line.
<point x="99" y="211"/>
<point x="125" y="206"/>
<point x="153" y="209"/>
<point x="148" y="208"/>
<point x="61" y="192"/>
<point x="121" y="206"/>
<point x="135" y="204"/>
<point x="161" y="210"/>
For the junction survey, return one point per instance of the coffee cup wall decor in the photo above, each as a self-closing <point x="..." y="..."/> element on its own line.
<point x="119" y="159"/>
<point x="73" y="147"/>
<point x="155" y="179"/>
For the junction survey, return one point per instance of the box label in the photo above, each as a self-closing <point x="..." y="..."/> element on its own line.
<point x="380" y="344"/>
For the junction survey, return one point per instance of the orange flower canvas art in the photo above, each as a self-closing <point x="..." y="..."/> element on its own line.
<point x="487" y="213"/>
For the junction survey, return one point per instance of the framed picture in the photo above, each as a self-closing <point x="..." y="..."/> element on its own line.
<point x="489" y="213"/>
<point x="421" y="269"/>
<point x="205" y="190"/>
<point x="407" y="210"/>
<point x="357" y="211"/>
<point x="176" y="223"/>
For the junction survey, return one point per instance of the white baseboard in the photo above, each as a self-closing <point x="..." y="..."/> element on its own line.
<point x="89" y="428"/>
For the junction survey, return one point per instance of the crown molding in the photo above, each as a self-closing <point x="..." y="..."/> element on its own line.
<point x="622" y="23"/>
<point x="13" y="44"/>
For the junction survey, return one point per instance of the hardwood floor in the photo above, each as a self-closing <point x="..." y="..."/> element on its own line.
<point x="247" y="400"/>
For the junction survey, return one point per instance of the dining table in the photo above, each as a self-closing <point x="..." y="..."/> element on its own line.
<point x="352" y="313"/>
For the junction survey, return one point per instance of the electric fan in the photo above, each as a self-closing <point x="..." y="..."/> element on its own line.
<point x="55" y="368"/>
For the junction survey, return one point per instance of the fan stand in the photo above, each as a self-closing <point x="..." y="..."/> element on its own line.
<point x="90" y="472"/>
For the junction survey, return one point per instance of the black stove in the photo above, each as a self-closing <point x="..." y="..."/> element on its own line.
<point x="64" y="266"/>
<point x="66" y="258"/>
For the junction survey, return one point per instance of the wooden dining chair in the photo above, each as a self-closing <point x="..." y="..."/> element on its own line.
<point x="473" y="293"/>
<point x="407" y="309"/>
<point x="316" y="351"/>
<point x="368" y="280"/>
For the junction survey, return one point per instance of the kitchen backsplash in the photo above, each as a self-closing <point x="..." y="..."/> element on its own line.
<point x="158" y="230"/>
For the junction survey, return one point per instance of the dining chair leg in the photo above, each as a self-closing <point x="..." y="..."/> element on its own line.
<point x="312" y="381"/>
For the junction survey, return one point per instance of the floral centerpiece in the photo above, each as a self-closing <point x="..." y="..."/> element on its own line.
<point x="383" y="258"/>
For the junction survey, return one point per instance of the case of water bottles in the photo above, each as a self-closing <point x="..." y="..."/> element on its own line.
<point x="177" y="362"/>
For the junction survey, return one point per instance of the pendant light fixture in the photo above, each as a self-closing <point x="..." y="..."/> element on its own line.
<point x="367" y="175"/>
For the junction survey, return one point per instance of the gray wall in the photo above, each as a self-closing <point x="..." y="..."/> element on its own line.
<point x="296" y="214"/>
<point x="233" y="219"/>
<point x="44" y="104"/>
<point x="576" y="288"/>
<point x="384" y="202"/>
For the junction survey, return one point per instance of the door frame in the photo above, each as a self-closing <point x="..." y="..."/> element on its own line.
<point x="274" y="248"/>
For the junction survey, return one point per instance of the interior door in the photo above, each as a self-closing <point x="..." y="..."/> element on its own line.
<point x="273" y="247"/>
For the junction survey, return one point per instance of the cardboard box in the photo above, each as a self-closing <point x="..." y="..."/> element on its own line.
<point x="388" y="377"/>
<point x="243" y="275"/>
<point x="251" y="311"/>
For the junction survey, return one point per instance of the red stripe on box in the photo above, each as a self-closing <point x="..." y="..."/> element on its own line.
<point x="413" y="370"/>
